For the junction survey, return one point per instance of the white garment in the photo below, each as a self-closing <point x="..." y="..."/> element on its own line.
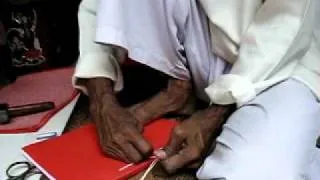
<point x="272" y="123"/>
<point x="267" y="41"/>
<point x="271" y="138"/>
<point x="277" y="40"/>
<point x="170" y="36"/>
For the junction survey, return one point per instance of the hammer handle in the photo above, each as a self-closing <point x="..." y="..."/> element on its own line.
<point x="30" y="109"/>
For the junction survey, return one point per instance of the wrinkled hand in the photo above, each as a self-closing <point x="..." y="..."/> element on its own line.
<point x="119" y="131"/>
<point x="191" y="140"/>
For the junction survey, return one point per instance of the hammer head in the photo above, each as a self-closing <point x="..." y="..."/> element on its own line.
<point x="4" y="114"/>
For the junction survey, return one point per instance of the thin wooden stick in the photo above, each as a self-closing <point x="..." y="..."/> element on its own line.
<point x="152" y="165"/>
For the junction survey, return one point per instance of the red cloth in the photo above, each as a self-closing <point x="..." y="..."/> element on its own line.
<point x="53" y="85"/>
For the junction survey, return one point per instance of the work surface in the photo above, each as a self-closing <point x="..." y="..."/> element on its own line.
<point x="80" y="116"/>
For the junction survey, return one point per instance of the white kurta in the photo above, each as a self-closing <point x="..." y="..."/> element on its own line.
<point x="270" y="51"/>
<point x="266" y="42"/>
<point x="173" y="39"/>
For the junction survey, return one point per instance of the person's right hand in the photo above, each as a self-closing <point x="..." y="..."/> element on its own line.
<point x="118" y="130"/>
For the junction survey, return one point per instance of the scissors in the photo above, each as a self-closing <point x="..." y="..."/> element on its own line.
<point x="21" y="170"/>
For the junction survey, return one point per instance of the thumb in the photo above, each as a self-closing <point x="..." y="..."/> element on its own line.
<point x="175" y="144"/>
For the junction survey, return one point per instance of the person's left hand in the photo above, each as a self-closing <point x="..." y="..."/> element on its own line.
<point x="191" y="140"/>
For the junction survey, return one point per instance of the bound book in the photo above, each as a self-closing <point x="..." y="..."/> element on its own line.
<point x="77" y="155"/>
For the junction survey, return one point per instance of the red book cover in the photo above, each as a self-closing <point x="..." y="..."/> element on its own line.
<point x="77" y="155"/>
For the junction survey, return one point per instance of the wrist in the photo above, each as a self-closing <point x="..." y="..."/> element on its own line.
<point x="143" y="116"/>
<point x="99" y="85"/>
<point x="99" y="89"/>
<point x="221" y="110"/>
<point x="217" y="114"/>
<point x="140" y="113"/>
<point x="100" y="93"/>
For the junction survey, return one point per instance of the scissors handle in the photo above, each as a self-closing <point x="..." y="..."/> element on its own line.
<point x="20" y="175"/>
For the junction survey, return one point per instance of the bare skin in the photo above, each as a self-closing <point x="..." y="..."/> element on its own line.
<point x="171" y="99"/>
<point x="191" y="140"/>
<point x="119" y="129"/>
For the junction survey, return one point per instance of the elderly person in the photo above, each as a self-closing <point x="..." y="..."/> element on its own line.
<point x="262" y="56"/>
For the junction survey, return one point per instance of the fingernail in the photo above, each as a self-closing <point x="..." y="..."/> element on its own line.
<point x="161" y="154"/>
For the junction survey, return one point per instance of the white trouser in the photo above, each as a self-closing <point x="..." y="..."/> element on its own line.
<point x="273" y="137"/>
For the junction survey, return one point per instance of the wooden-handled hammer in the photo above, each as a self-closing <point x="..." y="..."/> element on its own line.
<point x="7" y="113"/>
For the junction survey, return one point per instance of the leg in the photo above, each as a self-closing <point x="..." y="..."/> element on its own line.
<point x="273" y="137"/>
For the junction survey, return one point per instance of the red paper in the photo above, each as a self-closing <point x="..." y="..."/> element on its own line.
<point x="77" y="155"/>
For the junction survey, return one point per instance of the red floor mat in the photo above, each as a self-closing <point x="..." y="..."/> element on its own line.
<point x="53" y="85"/>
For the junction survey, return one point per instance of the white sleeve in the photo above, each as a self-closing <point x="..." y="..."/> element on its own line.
<point x="94" y="60"/>
<point x="264" y="48"/>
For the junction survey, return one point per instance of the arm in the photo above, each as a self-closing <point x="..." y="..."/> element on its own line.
<point x="265" y="46"/>
<point x="98" y="75"/>
<point x="191" y="139"/>
<point x="171" y="99"/>
<point x="95" y="60"/>
<point x="278" y="32"/>
<point x="103" y="62"/>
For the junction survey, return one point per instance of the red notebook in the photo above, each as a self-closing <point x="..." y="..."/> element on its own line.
<point x="77" y="155"/>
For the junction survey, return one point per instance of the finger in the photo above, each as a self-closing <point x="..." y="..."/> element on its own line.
<point x="175" y="143"/>
<point x="114" y="151"/>
<point x="139" y="142"/>
<point x="122" y="148"/>
<point x="160" y="154"/>
<point x="180" y="160"/>
<point x="118" y="154"/>
<point x="131" y="152"/>
<point x="115" y="156"/>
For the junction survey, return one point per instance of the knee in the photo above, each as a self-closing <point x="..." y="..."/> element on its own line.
<point x="250" y="164"/>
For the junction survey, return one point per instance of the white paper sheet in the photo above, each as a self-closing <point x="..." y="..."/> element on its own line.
<point x="11" y="144"/>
